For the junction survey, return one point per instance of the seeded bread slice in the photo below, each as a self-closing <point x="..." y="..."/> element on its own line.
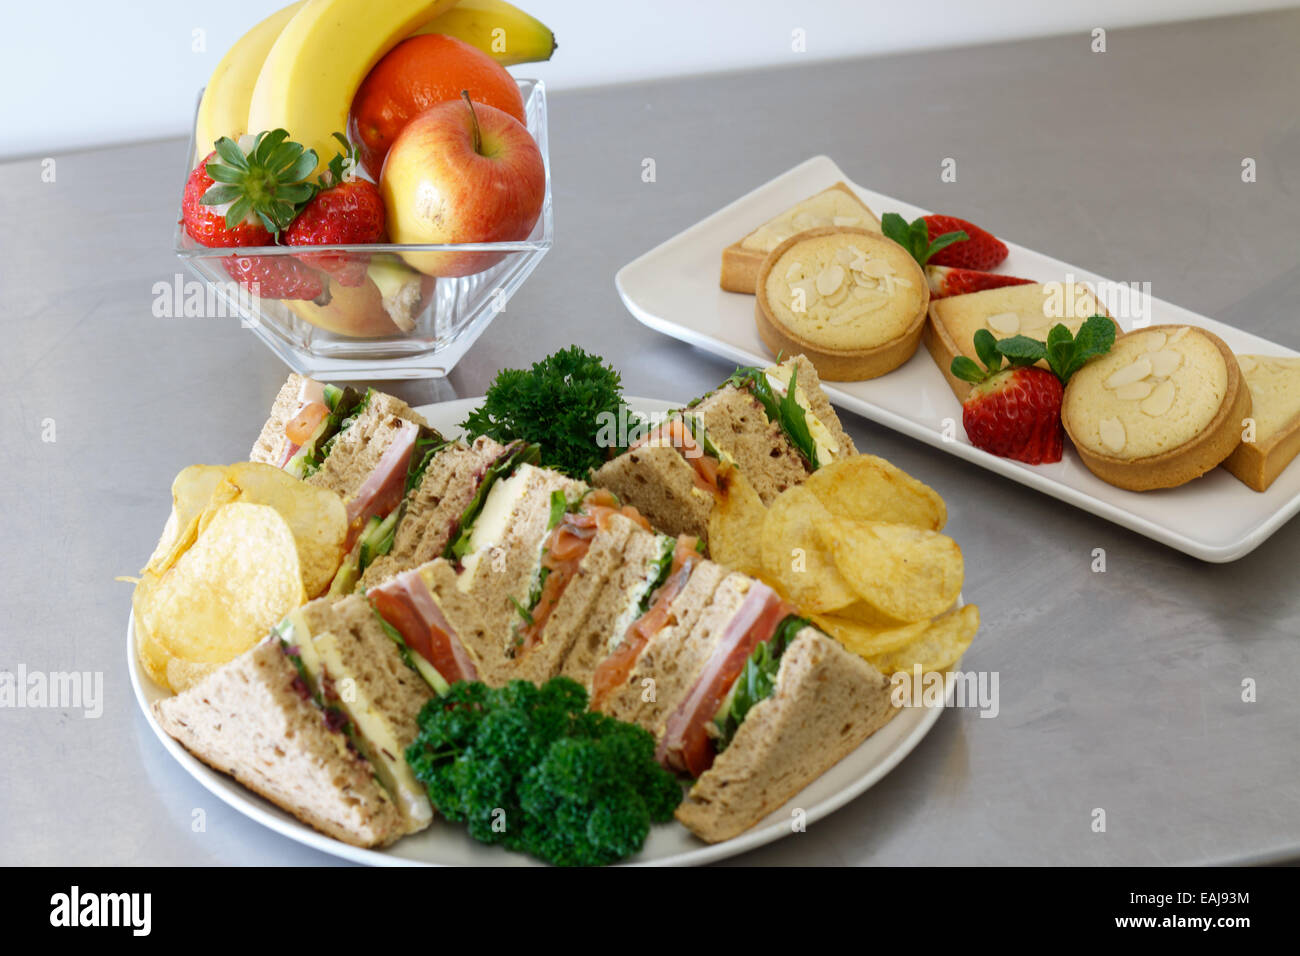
<point x="811" y="385"/>
<point x="434" y="506"/>
<point x="826" y="702"/>
<point x="737" y="423"/>
<point x="658" y="482"/>
<point x="248" y="719"/>
<point x="271" y="443"/>
<point x="358" y="448"/>
<point x="465" y="616"/>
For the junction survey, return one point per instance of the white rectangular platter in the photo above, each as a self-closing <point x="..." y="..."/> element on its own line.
<point x="674" y="289"/>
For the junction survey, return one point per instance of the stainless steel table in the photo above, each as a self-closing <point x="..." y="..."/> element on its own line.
<point x="1119" y="690"/>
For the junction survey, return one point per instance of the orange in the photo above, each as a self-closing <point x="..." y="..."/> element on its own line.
<point x="420" y="72"/>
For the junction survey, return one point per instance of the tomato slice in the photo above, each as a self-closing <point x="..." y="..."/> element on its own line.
<point x="302" y="426"/>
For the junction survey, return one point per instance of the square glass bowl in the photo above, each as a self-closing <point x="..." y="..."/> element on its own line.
<point x="354" y="335"/>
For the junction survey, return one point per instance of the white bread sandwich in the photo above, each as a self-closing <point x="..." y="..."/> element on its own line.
<point x="254" y="719"/>
<point x="775" y="435"/>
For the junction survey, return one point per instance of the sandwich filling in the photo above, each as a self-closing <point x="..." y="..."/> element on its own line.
<point x="655" y="615"/>
<point x="406" y="604"/>
<point x="573" y="528"/>
<point x="688" y="744"/>
<point x="312" y="433"/>
<point x="462" y="541"/>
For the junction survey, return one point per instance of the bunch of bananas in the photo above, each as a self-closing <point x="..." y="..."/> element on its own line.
<point x="299" y="68"/>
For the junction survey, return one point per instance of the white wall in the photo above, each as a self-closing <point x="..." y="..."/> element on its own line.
<point x="89" y="72"/>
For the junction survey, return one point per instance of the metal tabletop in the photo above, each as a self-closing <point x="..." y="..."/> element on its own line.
<point x="1120" y="690"/>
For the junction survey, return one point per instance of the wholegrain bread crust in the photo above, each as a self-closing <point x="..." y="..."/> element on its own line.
<point x="239" y="720"/>
<point x="656" y="481"/>
<point x="837" y="365"/>
<point x="810" y="384"/>
<point x="1194" y="457"/>
<point x="270" y="445"/>
<point x="826" y="702"/>
<point x="740" y="266"/>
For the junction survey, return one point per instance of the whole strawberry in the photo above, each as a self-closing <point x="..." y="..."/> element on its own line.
<point x="246" y="198"/>
<point x="980" y="250"/>
<point x="278" y="277"/>
<point x="1015" y="412"/>
<point x="344" y="211"/>
<point x="945" y="281"/>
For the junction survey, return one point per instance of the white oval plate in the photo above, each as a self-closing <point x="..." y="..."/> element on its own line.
<point x="448" y="844"/>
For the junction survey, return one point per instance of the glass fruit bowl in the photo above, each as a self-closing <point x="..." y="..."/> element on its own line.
<point x="400" y="323"/>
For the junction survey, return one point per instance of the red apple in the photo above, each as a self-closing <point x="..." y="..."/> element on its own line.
<point x="462" y="172"/>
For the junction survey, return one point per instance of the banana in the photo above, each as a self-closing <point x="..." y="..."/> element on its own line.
<point x="223" y="111"/>
<point x="501" y="30"/>
<point x="319" y="60"/>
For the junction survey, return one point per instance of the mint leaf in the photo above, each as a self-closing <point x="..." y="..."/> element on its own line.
<point x="943" y="242"/>
<point x="966" y="369"/>
<point x="1060" y="348"/>
<point x="986" y="347"/>
<point x="1096" y="336"/>
<point x="1022" y="350"/>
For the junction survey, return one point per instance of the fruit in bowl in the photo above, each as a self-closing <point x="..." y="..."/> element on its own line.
<point x="421" y="72"/>
<point x="462" y="172"/>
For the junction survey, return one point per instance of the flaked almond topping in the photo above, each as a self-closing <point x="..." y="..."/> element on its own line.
<point x="877" y="268"/>
<point x="838" y="296"/>
<point x="1111" y="432"/>
<point x="1160" y="400"/>
<point x="1165" y="361"/>
<point x="847" y="221"/>
<point x="1004" y="323"/>
<point x="1177" y="335"/>
<point x="795" y="271"/>
<point x="844" y="256"/>
<point x="1247" y="363"/>
<point x="1135" y="391"/>
<point x="1133" y="372"/>
<point x="1156" y="341"/>
<point x="830" y="278"/>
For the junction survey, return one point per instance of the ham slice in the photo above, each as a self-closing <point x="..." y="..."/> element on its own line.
<point x="384" y="487"/>
<point x="686" y="744"/>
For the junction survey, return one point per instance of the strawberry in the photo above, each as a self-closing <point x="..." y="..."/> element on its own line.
<point x="1015" y="412"/>
<point x="945" y="281"/>
<point x="238" y="198"/>
<point x="343" y="211"/>
<point x="278" y="277"/>
<point x="916" y="238"/>
<point x="981" y="250"/>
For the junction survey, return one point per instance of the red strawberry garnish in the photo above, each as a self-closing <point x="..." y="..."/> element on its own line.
<point x="980" y="250"/>
<point x="945" y="281"/>
<point x="278" y="277"/>
<point x="343" y="212"/>
<point x="1015" y="412"/>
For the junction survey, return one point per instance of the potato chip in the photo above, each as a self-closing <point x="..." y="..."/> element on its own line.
<point x="237" y="581"/>
<point x="316" y="516"/>
<point x="736" y="524"/>
<point x="907" y="573"/>
<point x="147" y="650"/>
<point x="938" y="648"/>
<point x="794" y="558"/>
<point x="867" y="488"/>
<point x="867" y="641"/>
<point x="191" y="493"/>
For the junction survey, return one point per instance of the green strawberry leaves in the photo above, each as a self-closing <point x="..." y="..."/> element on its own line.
<point x="915" y="236"/>
<point x="269" y="181"/>
<point x="1065" y="353"/>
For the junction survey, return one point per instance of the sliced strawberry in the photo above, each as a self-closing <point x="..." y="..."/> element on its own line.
<point x="278" y="277"/>
<point x="345" y="211"/>
<point x="980" y="250"/>
<point x="1016" y="413"/>
<point x="946" y="280"/>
